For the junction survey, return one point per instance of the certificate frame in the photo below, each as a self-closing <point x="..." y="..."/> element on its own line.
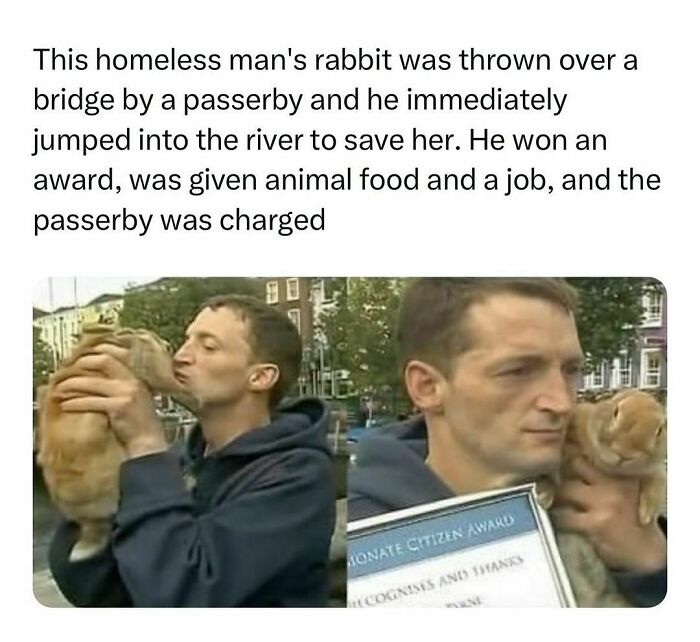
<point x="424" y="513"/>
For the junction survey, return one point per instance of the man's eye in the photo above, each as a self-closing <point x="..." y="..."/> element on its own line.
<point x="516" y="372"/>
<point x="209" y="347"/>
<point x="572" y="371"/>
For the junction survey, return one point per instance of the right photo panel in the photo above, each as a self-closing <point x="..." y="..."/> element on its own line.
<point x="506" y="439"/>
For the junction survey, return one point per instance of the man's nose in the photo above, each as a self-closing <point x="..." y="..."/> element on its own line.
<point x="557" y="395"/>
<point x="183" y="355"/>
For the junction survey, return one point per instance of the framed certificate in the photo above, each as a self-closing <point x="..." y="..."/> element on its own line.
<point x="490" y="549"/>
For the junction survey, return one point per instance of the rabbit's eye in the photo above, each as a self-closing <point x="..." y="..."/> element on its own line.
<point x="616" y="412"/>
<point x="659" y="431"/>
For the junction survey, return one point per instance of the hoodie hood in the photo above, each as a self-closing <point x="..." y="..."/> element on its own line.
<point x="302" y="423"/>
<point x="390" y="471"/>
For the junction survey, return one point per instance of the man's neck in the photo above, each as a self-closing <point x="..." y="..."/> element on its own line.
<point x="459" y="472"/>
<point x="221" y="424"/>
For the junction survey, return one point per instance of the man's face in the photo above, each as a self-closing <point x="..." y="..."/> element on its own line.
<point x="510" y="396"/>
<point x="214" y="362"/>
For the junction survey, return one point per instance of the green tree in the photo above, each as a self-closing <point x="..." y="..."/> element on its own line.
<point x="334" y="324"/>
<point x="42" y="359"/>
<point x="167" y="306"/>
<point x="359" y="330"/>
<point x="610" y="312"/>
<point x="360" y="334"/>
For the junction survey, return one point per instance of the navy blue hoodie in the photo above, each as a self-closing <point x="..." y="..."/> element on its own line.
<point x="390" y="474"/>
<point x="254" y="530"/>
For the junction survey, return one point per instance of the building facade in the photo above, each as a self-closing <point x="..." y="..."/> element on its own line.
<point x="61" y="328"/>
<point x="645" y="365"/>
<point x="303" y="300"/>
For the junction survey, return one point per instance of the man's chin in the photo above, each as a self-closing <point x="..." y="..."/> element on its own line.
<point x="532" y="470"/>
<point x="188" y="398"/>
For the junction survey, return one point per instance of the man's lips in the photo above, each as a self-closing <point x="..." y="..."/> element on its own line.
<point x="545" y="432"/>
<point x="180" y="377"/>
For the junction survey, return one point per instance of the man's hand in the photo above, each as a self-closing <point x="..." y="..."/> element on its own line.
<point x="605" y="509"/>
<point x="101" y="382"/>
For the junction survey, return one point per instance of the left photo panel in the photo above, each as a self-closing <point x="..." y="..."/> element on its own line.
<point x="189" y="443"/>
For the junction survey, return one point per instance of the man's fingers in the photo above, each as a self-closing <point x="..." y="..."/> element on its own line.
<point x="63" y="373"/>
<point x="568" y="519"/>
<point x="86" y="386"/>
<point x="103" y="363"/>
<point x="575" y="492"/>
<point x="107" y="359"/>
<point x="119" y="353"/>
<point x="88" y="404"/>
<point x="61" y="397"/>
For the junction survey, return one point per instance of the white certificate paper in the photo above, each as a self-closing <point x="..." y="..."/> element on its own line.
<point x="490" y="549"/>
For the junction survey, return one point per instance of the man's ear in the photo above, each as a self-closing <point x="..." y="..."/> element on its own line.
<point x="263" y="376"/>
<point x="425" y="385"/>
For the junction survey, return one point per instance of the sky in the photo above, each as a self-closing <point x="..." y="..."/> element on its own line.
<point x="86" y="288"/>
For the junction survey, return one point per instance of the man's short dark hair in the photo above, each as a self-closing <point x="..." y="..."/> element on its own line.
<point x="272" y="337"/>
<point x="431" y="317"/>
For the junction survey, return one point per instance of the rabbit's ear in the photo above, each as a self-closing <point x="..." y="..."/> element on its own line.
<point x="128" y="338"/>
<point x="125" y="339"/>
<point x="606" y="409"/>
<point x="624" y="394"/>
<point x="603" y="416"/>
<point x="97" y="328"/>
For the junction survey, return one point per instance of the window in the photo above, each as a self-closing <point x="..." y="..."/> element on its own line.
<point x="295" y="317"/>
<point x="651" y="369"/>
<point x="292" y="289"/>
<point x="271" y="292"/>
<point x="595" y="378"/>
<point x="327" y="290"/>
<point x="344" y="388"/>
<point x="625" y="371"/>
<point x="622" y="371"/>
<point x="652" y="304"/>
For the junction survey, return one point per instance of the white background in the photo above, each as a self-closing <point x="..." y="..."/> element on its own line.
<point x="650" y="117"/>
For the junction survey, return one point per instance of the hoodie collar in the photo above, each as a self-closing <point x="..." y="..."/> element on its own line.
<point x="391" y="468"/>
<point x="295" y="424"/>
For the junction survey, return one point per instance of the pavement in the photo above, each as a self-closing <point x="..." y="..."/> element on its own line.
<point x="45" y="590"/>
